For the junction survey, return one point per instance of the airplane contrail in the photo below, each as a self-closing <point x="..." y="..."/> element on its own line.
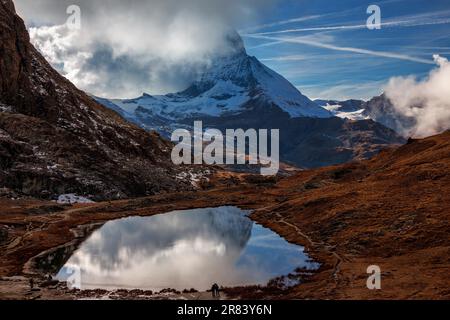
<point x="403" y="23"/>
<point x="283" y="22"/>
<point x="384" y="54"/>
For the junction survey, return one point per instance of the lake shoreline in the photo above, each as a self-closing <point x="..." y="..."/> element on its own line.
<point x="70" y="227"/>
<point x="391" y="211"/>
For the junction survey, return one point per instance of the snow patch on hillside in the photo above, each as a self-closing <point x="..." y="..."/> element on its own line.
<point x="72" y="199"/>
<point x="351" y="115"/>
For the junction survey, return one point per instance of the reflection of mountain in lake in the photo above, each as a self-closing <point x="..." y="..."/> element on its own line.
<point x="181" y="250"/>
<point x="117" y="239"/>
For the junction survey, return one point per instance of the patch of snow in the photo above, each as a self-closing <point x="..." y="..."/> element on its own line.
<point x="193" y="177"/>
<point x="355" y="115"/>
<point x="284" y="94"/>
<point x="5" y="108"/>
<point x="72" y="199"/>
<point x="52" y="167"/>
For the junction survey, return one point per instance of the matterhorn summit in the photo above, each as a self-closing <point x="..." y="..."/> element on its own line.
<point x="231" y="83"/>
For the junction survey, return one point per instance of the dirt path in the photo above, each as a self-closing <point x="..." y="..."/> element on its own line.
<point x="316" y="245"/>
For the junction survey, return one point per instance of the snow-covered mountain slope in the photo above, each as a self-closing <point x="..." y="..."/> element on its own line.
<point x="349" y="109"/>
<point x="229" y="84"/>
<point x="378" y="109"/>
<point x="237" y="91"/>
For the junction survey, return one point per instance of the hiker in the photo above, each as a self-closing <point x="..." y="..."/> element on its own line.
<point x="215" y="290"/>
<point x="31" y="284"/>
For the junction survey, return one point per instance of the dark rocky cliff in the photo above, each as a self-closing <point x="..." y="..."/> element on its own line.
<point x="55" y="139"/>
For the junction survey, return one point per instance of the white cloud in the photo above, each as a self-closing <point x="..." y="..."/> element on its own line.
<point x="128" y="47"/>
<point x="56" y="44"/>
<point x="427" y="101"/>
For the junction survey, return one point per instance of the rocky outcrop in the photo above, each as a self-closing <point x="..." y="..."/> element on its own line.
<point x="55" y="139"/>
<point x="381" y="110"/>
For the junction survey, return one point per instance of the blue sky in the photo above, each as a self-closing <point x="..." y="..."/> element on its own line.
<point x="324" y="64"/>
<point x="322" y="46"/>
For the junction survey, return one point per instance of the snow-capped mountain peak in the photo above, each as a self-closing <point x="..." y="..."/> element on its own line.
<point x="230" y="84"/>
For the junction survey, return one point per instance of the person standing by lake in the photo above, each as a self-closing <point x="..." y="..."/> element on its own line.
<point x="215" y="291"/>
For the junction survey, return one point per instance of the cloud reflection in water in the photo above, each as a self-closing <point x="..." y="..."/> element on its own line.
<point x="182" y="250"/>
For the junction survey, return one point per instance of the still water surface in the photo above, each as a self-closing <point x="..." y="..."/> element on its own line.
<point x="182" y="250"/>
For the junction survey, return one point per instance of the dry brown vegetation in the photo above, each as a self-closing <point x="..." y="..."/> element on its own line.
<point x="392" y="211"/>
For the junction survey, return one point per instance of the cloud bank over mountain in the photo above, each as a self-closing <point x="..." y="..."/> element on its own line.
<point x="427" y="101"/>
<point x="125" y="48"/>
